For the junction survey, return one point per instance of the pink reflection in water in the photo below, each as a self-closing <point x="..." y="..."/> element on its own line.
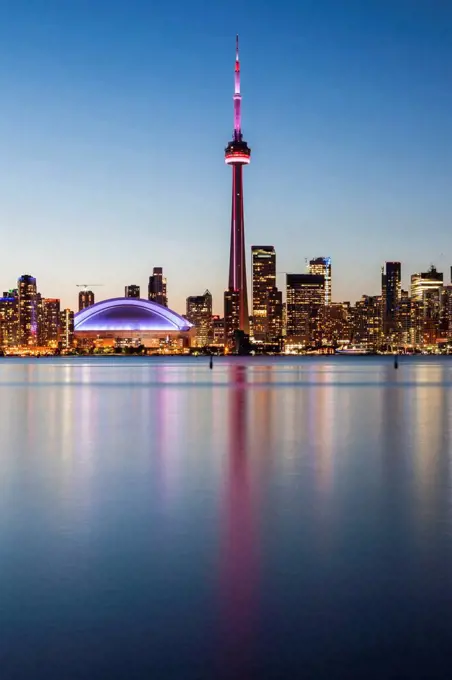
<point x="238" y="559"/>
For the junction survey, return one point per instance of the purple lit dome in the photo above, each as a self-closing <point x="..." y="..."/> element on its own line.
<point x="129" y="314"/>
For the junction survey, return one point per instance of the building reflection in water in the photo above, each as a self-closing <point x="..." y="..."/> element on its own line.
<point x="415" y="425"/>
<point x="393" y="423"/>
<point x="431" y="424"/>
<point x="238" y="559"/>
<point x="321" y="424"/>
<point x="415" y="430"/>
<point x="157" y="409"/>
<point x="77" y="412"/>
<point x="261" y="411"/>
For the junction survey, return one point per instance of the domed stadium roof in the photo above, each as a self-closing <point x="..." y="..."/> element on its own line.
<point x="129" y="314"/>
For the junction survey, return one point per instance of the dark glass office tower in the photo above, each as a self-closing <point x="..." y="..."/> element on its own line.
<point x="28" y="310"/>
<point x="390" y="295"/>
<point x="85" y="299"/>
<point x="157" y="287"/>
<point x="132" y="291"/>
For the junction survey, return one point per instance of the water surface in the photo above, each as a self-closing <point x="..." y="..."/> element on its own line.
<point x="271" y="518"/>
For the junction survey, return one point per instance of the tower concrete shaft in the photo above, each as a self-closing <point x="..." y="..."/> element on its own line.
<point x="237" y="154"/>
<point x="237" y="262"/>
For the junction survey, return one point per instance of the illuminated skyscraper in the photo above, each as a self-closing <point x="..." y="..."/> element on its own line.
<point x="432" y="314"/>
<point x="132" y="291"/>
<point x="218" y="331"/>
<point x="426" y="297"/>
<point x="237" y="154"/>
<point x="305" y="293"/>
<point x="322" y="267"/>
<point x="85" y="299"/>
<point x="157" y="287"/>
<point x="263" y="260"/>
<point x="274" y="315"/>
<point x="446" y="312"/>
<point x="28" y="310"/>
<point x="366" y="322"/>
<point x="425" y="281"/>
<point x="199" y="313"/>
<point x="334" y="324"/>
<point x="66" y="329"/>
<point x="50" y="322"/>
<point x="417" y="322"/>
<point x="9" y="319"/>
<point x="231" y="317"/>
<point x="40" y="319"/>
<point x="390" y="296"/>
<point x="404" y="319"/>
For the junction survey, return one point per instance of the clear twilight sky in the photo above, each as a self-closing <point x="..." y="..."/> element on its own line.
<point x="115" y="116"/>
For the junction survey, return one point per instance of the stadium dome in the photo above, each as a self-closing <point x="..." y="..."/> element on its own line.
<point x="129" y="314"/>
<point x="131" y="321"/>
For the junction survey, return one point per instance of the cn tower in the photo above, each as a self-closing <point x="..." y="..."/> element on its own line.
<point x="237" y="154"/>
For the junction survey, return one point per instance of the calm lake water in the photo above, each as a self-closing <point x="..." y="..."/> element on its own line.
<point x="266" y="519"/>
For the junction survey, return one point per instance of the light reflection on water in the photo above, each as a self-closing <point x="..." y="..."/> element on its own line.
<point x="267" y="518"/>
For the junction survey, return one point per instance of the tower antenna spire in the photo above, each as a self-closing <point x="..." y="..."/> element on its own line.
<point x="237" y="95"/>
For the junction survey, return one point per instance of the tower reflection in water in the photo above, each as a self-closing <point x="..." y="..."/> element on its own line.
<point x="238" y="559"/>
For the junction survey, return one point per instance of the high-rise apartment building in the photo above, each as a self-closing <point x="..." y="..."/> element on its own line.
<point x="274" y="328"/>
<point x="334" y="326"/>
<point x="199" y="313"/>
<point x="50" y="322"/>
<point x="9" y="319"/>
<point x="425" y="281"/>
<point x="85" y="299"/>
<point x="390" y="294"/>
<point x="28" y="310"/>
<point x="321" y="266"/>
<point x="366" y="322"/>
<point x="417" y="322"/>
<point x="66" y="329"/>
<point x="426" y="297"/>
<point x="404" y="319"/>
<point x="446" y="313"/>
<point x="132" y="291"/>
<point x="305" y="293"/>
<point x="157" y="287"/>
<point x="218" y="331"/>
<point x="263" y="263"/>
<point x="374" y="321"/>
<point x="432" y="314"/>
<point x="40" y="319"/>
<point x="231" y="317"/>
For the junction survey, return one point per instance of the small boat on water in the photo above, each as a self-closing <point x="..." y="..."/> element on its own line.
<point x="353" y="351"/>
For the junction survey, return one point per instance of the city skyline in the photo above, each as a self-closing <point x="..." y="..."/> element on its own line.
<point x="218" y="306"/>
<point x="412" y="320"/>
<point x="363" y="139"/>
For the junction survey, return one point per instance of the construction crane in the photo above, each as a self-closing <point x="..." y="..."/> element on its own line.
<point x="88" y="286"/>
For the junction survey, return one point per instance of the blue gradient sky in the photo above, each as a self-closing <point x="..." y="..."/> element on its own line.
<point x="115" y="116"/>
